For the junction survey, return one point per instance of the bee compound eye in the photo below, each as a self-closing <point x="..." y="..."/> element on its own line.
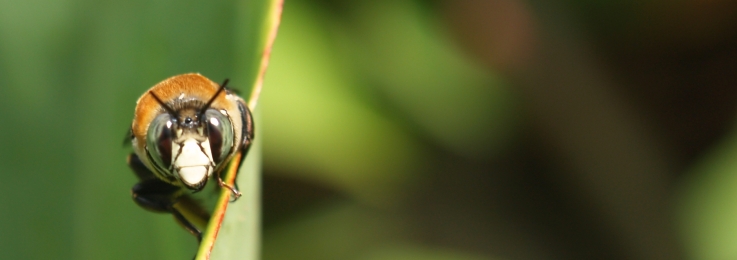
<point x="159" y="140"/>
<point x="220" y="134"/>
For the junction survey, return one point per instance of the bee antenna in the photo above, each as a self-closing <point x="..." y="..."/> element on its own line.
<point x="207" y="105"/>
<point x="166" y="107"/>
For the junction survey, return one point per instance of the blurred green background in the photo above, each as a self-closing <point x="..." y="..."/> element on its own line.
<point x="495" y="129"/>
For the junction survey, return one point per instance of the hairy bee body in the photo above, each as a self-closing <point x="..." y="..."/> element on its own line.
<point x="185" y="131"/>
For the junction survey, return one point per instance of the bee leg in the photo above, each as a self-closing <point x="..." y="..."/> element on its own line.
<point x="244" y="152"/>
<point x="235" y="194"/>
<point x="186" y="224"/>
<point x="158" y="196"/>
<point x="247" y="135"/>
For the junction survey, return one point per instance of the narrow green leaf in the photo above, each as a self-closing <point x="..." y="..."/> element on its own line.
<point x="237" y="233"/>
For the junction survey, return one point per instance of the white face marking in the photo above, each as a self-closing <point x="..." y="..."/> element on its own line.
<point x="192" y="165"/>
<point x="193" y="175"/>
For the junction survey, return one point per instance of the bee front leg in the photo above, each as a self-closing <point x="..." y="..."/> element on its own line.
<point x="158" y="196"/>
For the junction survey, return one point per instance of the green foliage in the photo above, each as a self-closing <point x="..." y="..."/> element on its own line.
<point x="323" y="122"/>
<point x="353" y="98"/>
<point x="708" y="205"/>
<point x="72" y="71"/>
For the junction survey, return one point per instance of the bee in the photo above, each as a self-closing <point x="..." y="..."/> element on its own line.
<point x="185" y="131"/>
